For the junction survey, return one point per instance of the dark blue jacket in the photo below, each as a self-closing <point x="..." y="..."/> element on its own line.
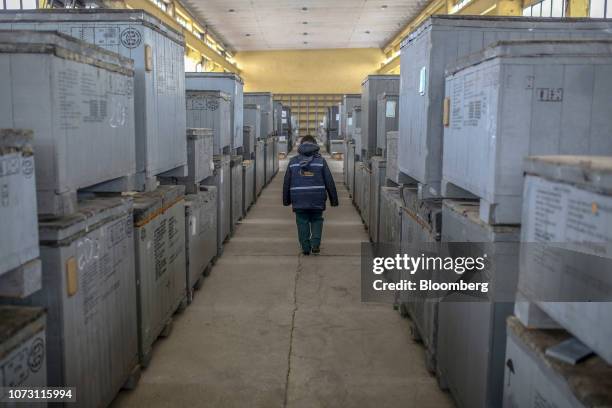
<point x="308" y="180"/>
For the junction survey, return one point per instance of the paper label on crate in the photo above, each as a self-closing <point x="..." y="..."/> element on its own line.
<point x="349" y="121"/>
<point x="390" y="109"/>
<point x="337" y="116"/>
<point x="194" y="225"/>
<point x="284" y="121"/>
<point x="283" y="114"/>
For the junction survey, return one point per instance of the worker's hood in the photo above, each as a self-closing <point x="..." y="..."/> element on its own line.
<point x="308" y="149"/>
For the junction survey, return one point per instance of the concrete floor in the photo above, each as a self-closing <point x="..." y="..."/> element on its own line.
<point x="271" y="328"/>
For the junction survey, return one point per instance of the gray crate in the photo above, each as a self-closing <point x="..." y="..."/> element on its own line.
<point x="236" y="193"/>
<point x="200" y="233"/>
<point x="277" y="114"/>
<point x="472" y="334"/>
<point x="252" y="119"/>
<point x="199" y="160"/>
<point x="159" y="224"/>
<point x="387" y="119"/>
<point x="157" y="103"/>
<point x="568" y="204"/>
<point x="211" y="109"/>
<point x="534" y="380"/>
<point x="89" y="292"/>
<point x="248" y="185"/>
<point x="438" y="43"/>
<point x="270" y="147"/>
<point x="364" y="195"/>
<point x="350" y="169"/>
<point x="356" y="131"/>
<point x="377" y="181"/>
<point x="421" y="223"/>
<point x="275" y="161"/>
<point x="221" y="179"/>
<point x="264" y="100"/>
<point x="544" y="82"/>
<point x="228" y="83"/>
<point x="260" y="167"/>
<point x="349" y="101"/>
<point x="332" y="123"/>
<point x="371" y="87"/>
<point x="282" y="145"/>
<point x="23" y="350"/>
<point x="393" y="173"/>
<point x="336" y="146"/>
<point x="84" y="134"/>
<point x="20" y="273"/>
<point x="390" y="228"/>
<point x="248" y="143"/>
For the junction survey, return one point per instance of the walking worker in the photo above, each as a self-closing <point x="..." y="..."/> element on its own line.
<point x="308" y="182"/>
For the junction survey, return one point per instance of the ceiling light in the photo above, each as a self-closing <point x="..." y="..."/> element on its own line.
<point x="384" y="6"/>
<point x="305" y="42"/>
<point x="231" y="10"/>
<point x="304" y="22"/>
<point x="367" y="31"/>
<point x="305" y="33"/>
<point x="304" y="8"/>
<point x="247" y="35"/>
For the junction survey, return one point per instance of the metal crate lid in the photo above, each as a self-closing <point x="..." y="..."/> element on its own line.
<point x="380" y="76"/>
<point x="16" y="140"/>
<point x="13" y="319"/>
<point x="586" y="49"/>
<point x="130" y="16"/>
<point x="91" y="214"/>
<point x="199" y="133"/>
<point x="223" y="75"/>
<point x="63" y="46"/>
<point x="594" y="172"/>
<point x="149" y="205"/>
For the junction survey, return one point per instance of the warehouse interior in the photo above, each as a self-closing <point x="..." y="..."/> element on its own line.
<point x="159" y="158"/>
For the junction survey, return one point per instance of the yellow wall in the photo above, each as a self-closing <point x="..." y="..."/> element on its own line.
<point x="308" y="71"/>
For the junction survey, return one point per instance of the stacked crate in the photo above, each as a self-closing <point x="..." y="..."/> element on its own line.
<point x="230" y="84"/>
<point x="377" y="181"/>
<point x="221" y="179"/>
<point x="200" y="235"/>
<point x="390" y="228"/>
<point x="387" y="119"/>
<point x="371" y="88"/>
<point x="471" y="332"/>
<point x="349" y="101"/>
<point x="84" y="134"/>
<point x="159" y="237"/>
<point x="393" y="173"/>
<point x="533" y="379"/>
<point x="20" y="269"/>
<point x="211" y="109"/>
<point x="421" y="228"/>
<point x="482" y="159"/>
<point x="265" y="103"/>
<point x="199" y="160"/>
<point x="83" y="120"/>
<point x="158" y="117"/>
<point x="248" y="185"/>
<point x="441" y="41"/>
<point x="260" y="166"/>
<point x="566" y="256"/>
<point x="237" y="209"/>
<point x="252" y="121"/>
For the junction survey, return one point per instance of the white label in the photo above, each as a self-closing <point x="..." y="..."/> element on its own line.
<point x="284" y="114"/>
<point x="284" y="121"/>
<point x="390" y="109"/>
<point x="194" y="226"/>
<point x="337" y="116"/>
<point x="350" y="121"/>
<point x="422" y="80"/>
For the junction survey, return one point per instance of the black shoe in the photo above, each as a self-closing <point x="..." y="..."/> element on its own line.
<point x="316" y="251"/>
<point x="306" y="253"/>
